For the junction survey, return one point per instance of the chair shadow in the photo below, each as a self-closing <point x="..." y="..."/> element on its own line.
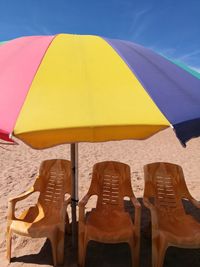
<point x="45" y="257"/>
<point x="41" y="258"/>
<point x="118" y="255"/>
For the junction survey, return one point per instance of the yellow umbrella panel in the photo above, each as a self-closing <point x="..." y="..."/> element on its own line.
<point x="84" y="91"/>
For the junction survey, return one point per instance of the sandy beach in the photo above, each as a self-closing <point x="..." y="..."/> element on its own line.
<point x="19" y="166"/>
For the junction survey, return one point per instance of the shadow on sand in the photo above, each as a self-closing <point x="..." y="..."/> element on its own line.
<point x="118" y="255"/>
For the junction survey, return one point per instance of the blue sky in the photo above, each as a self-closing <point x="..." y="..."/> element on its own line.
<point x="170" y="27"/>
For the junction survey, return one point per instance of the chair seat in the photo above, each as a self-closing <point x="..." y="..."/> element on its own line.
<point x="182" y="229"/>
<point x="109" y="225"/>
<point x="32" y="222"/>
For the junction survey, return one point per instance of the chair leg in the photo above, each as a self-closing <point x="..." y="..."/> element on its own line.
<point x="85" y="250"/>
<point x="159" y="248"/>
<point x="82" y="250"/>
<point x="9" y="243"/>
<point x="60" y="246"/>
<point x="81" y="237"/>
<point x="135" y="252"/>
<point x="53" y="240"/>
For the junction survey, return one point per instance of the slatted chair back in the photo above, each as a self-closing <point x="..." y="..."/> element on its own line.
<point x="111" y="183"/>
<point x="166" y="184"/>
<point x="54" y="184"/>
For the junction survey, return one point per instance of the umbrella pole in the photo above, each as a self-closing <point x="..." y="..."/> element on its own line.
<point x="74" y="197"/>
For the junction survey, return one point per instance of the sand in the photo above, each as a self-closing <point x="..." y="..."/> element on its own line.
<point x="19" y="165"/>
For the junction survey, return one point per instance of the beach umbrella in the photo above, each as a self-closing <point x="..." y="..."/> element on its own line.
<point x="82" y="88"/>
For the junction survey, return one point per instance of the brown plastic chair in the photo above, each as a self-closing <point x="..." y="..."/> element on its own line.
<point x="47" y="218"/>
<point x="165" y="188"/>
<point x="109" y="222"/>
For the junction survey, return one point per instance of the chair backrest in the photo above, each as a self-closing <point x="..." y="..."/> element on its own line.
<point x="111" y="182"/>
<point x="166" y="184"/>
<point x="54" y="182"/>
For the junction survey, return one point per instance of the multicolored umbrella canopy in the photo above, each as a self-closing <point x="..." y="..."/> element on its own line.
<point x="71" y="88"/>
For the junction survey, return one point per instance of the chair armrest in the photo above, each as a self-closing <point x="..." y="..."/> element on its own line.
<point x="154" y="220"/>
<point x="22" y="196"/>
<point x="137" y="217"/>
<point x="195" y="202"/>
<point x="84" y="200"/>
<point x="82" y="205"/>
<point x="12" y="202"/>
